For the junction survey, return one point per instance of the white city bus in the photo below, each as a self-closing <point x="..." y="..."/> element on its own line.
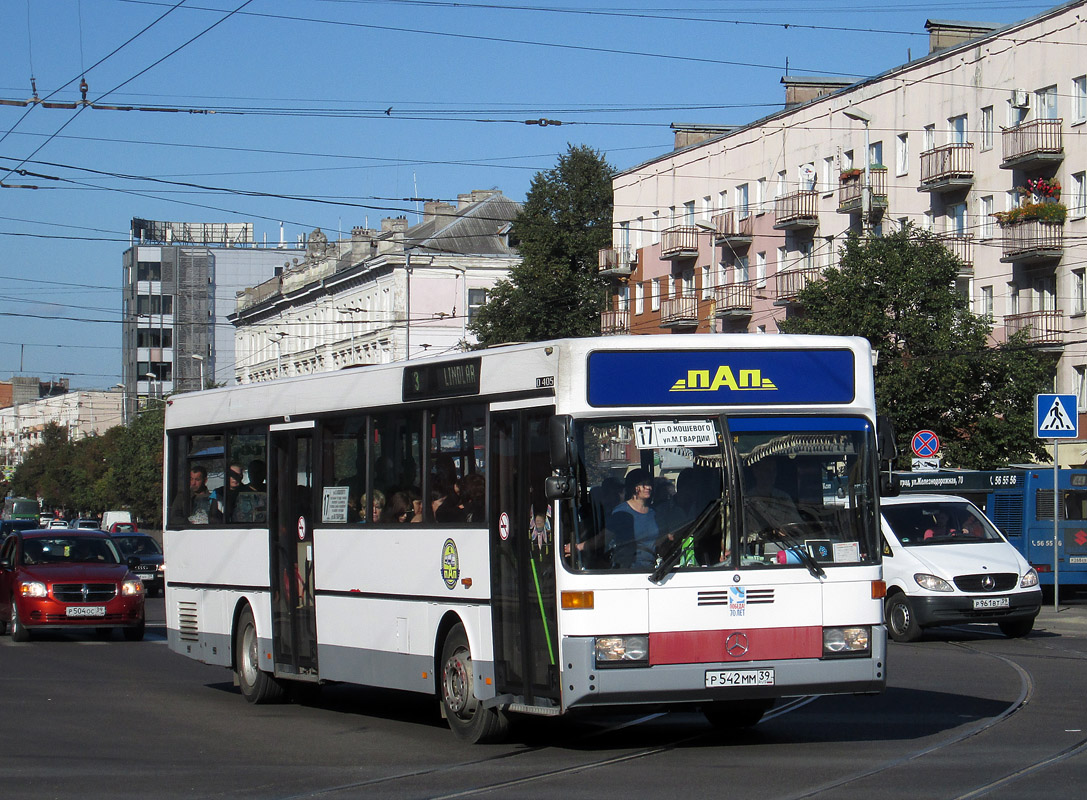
<point x="680" y="521"/>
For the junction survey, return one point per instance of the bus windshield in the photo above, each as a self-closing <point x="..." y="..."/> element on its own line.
<point x="766" y="493"/>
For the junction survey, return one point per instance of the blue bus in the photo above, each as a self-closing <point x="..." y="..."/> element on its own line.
<point x="1019" y="500"/>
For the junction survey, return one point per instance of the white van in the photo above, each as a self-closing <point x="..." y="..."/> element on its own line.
<point x="110" y="517"/>
<point x="945" y="563"/>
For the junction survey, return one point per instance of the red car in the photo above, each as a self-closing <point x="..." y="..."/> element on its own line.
<point x="67" y="579"/>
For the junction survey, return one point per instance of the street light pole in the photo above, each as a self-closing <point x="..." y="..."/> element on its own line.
<point x="866" y="190"/>
<point x="124" y="403"/>
<point x="200" y="358"/>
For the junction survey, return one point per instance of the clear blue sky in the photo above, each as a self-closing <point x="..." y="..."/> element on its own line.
<point x="358" y="106"/>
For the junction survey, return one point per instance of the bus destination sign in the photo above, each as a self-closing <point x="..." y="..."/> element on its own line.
<point x="445" y="379"/>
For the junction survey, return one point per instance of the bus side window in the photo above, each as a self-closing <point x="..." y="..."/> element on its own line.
<point x="396" y="461"/>
<point x="344" y="470"/>
<point x="456" y="483"/>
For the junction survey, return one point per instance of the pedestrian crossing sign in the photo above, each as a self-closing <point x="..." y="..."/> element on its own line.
<point x="1055" y="416"/>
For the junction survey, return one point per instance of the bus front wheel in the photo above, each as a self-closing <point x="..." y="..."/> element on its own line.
<point x="258" y="687"/>
<point x="469" y="720"/>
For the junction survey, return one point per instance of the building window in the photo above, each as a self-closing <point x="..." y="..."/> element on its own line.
<point x="985" y="212"/>
<point x="707" y="283"/>
<point x="622" y="298"/>
<point x="1079" y="292"/>
<point x="987" y="128"/>
<point x="902" y="154"/>
<point x="760" y="269"/>
<point x="639" y="230"/>
<point x="956" y="129"/>
<point x="742" y="206"/>
<point x="155" y="304"/>
<point x="928" y="137"/>
<point x="656" y="227"/>
<point x="783" y="262"/>
<point x="829" y="178"/>
<point x="760" y="196"/>
<point x="1078" y="206"/>
<point x="781" y="185"/>
<point x="743" y="270"/>
<point x="928" y="221"/>
<point x="956" y="218"/>
<point x="1013" y="299"/>
<point x="1079" y="99"/>
<point x="154" y="337"/>
<point x="639" y="298"/>
<point x="986" y="310"/>
<point x="1045" y="102"/>
<point x="1081" y="387"/>
<point x="148" y="271"/>
<point x="688" y="213"/>
<point x="688" y="282"/>
<point x="476" y="298"/>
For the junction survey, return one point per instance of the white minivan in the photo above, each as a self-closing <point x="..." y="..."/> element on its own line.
<point x="945" y="563"/>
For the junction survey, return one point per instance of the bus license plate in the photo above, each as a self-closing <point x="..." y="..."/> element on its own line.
<point x="991" y="602"/>
<point x="739" y="677"/>
<point x="86" y="611"/>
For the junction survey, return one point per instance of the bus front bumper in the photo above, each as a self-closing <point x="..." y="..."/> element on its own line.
<point x="584" y="685"/>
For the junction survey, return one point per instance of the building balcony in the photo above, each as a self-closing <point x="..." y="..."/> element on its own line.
<point x="791" y="281"/>
<point x="613" y="322"/>
<point x="616" y="262"/>
<point x="679" y="241"/>
<point x="961" y="245"/>
<point x="796" y="211"/>
<point x="1029" y="240"/>
<point x="733" y="228"/>
<point x="679" y="312"/>
<point x="851" y="190"/>
<point x="733" y="301"/>
<point x="1044" y="328"/>
<point x="1033" y="144"/>
<point x="947" y="168"/>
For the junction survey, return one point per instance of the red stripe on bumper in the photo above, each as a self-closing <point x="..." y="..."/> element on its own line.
<point x="758" y="644"/>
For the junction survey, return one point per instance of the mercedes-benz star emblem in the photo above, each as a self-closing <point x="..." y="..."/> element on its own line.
<point x="988" y="583"/>
<point x="736" y="644"/>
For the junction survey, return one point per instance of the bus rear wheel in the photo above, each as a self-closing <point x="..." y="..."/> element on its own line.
<point x="469" y="720"/>
<point x="258" y="687"/>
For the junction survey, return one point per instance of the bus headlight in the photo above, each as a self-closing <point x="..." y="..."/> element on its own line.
<point x="850" y="641"/>
<point x="622" y="651"/>
<point x="32" y="589"/>
<point x="1029" y="579"/>
<point x="933" y="583"/>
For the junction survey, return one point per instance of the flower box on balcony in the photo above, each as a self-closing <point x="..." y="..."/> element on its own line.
<point x="1043" y="212"/>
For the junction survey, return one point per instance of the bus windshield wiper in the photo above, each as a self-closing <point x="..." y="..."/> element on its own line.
<point x="806" y="558"/>
<point x="695" y="531"/>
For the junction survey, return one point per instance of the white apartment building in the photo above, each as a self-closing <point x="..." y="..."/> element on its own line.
<point x="384" y="295"/>
<point x="721" y="233"/>
<point x="84" y="413"/>
<point x="179" y="284"/>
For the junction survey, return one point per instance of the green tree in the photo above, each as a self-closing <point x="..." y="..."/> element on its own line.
<point x="937" y="367"/>
<point x="554" y="292"/>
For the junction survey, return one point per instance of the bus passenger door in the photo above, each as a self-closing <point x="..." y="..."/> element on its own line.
<point x="294" y="618"/>
<point x="523" y="602"/>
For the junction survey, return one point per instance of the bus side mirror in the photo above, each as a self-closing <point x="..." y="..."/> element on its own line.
<point x="560" y="431"/>
<point x="558" y="487"/>
<point x="885" y="439"/>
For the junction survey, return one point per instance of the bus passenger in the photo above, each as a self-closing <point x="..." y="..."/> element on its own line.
<point x="633" y="525"/>
<point x="399" y="508"/>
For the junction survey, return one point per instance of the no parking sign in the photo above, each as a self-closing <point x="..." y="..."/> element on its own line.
<point x="925" y="444"/>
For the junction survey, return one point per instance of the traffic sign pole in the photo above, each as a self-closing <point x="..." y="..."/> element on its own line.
<point x="1056" y="417"/>
<point x="1056" y="530"/>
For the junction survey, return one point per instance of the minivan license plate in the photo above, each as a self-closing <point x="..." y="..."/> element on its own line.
<point x="86" y="611"/>
<point x="991" y="602"/>
<point x="739" y="677"/>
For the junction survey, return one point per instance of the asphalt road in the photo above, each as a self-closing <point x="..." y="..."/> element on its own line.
<point x="967" y="714"/>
